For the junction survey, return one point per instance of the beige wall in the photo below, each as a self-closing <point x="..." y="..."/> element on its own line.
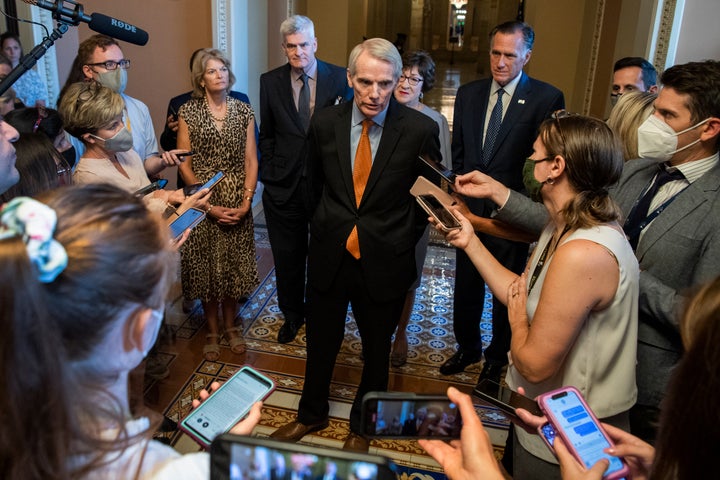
<point x="699" y="37"/>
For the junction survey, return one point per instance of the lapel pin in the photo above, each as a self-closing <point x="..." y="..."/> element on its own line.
<point x="521" y="101"/>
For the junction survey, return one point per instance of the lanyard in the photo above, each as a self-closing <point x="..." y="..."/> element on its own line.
<point x="543" y="256"/>
<point x="635" y="233"/>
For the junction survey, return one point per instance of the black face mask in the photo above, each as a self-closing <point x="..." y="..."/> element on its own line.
<point x="70" y="156"/>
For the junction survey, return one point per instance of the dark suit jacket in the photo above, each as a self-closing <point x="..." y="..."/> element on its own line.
<point x="532" y="102"/>
<point x="283" y="145"/>
<point x="389" y="221"/>
<point x="168" y="138"/>
<point x="679" y="250"/>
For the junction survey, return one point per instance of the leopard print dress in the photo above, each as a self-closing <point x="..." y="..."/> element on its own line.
<point x="218" y="261"/>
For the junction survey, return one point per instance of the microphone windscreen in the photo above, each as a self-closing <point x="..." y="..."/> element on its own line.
<point x="117" y="29"/>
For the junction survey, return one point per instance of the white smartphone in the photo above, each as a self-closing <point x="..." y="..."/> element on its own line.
<point x="572" y="420"/>
<point x="227" y="405"/>
<point x="189" y="219"/>
<point x="438" y="211"/>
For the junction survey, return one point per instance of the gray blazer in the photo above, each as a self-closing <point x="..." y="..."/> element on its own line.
<point x="679" y="250"/>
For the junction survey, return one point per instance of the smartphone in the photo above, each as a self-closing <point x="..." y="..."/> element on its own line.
<point x="210" y="184"/>
<point x="439" y="168"/>
<point x="505" y="399"/>
<point x="409" y="415"/>
<point x="240" y="457"/>
<point x="575" y="423"/>
<point x="189" y="219"/>
<point x="227" y="405"/>
<point x="438" y="211"/>
<point x="156" y="185"/>
<point x="185" y="154"/>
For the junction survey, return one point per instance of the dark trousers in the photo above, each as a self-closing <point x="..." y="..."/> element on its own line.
<point x="376" y="322"/>
<point x="469" y="299"/>
<point x="287" y="226"/>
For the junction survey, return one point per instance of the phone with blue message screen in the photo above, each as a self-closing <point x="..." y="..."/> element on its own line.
<point x="572" y="420"/>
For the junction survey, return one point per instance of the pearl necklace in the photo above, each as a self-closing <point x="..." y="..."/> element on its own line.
<point x="207" y="104"/>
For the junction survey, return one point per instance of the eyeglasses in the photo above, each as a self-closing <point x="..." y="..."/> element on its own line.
<point x="557" y="115"/>
<point x="111" y="64"/>
<point x="42" y="114"/>
<point x="64" y="172"/>
<point x="413" y="81"/>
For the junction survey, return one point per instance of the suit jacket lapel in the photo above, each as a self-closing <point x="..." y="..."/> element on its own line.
<point x="287" y="95"/>
<point x="342" y="136"/>
<point x="323" y="86"/>
<point x="514" y="111"/>
<point x="687" y="201"/>
<point x="478" y="119"/>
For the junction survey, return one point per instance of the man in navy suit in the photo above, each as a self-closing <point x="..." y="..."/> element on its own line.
<point x="495" y="139"/>
<point x="289" y="95"/>
<point x="363" y="232"/>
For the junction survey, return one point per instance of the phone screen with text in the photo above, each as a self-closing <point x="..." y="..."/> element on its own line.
<point x="571" y="416"/>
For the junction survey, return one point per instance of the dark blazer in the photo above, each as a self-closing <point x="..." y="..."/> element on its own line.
<point x="282" y="138"/>
<point x="679" y="250"/>
<point x="168" y="138"/>
<point x="532" y="102"/>
<point x="389" y="221"/>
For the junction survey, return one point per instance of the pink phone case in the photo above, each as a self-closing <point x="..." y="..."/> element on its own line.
<point x="560" y="432"/>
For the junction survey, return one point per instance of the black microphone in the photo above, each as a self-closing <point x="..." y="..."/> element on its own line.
<point x="96" y="21"/>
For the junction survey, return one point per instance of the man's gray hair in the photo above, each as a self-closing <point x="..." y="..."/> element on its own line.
<point x="297" y="24"/>
<point x="377" y="48"/>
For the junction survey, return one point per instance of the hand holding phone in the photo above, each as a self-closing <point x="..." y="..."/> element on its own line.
<point x="210" y="184"/>
<point x="438" y="211"/>
<point x="224" y="408"/>
<point x="409" y="415"/>
<point x="505" y="399"/>
<point x="570" y="417"/>
<point x="189" y="219"/>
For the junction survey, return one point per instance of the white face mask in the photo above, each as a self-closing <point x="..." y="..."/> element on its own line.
<point x="153" y="329"/>
<point x="657" y="139"/>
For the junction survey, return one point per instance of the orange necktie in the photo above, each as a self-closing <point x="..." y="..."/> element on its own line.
<point x="361" y="172"/>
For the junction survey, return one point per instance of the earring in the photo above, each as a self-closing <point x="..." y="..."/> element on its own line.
<point x="550" y="181"/>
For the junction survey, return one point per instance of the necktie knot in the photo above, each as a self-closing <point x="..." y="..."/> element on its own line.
<point x="366" y="124"/>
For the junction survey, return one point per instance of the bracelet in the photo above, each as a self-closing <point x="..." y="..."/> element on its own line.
<point x="249" y="190"/>
<point x="210" y="207"/>
<point x="249" y="198"/>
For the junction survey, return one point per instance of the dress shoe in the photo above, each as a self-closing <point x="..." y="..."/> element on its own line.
<point x="356" y="443"/>
<point x="294" y="431"/>
<point x="491" y="372"/>
<point x="289" y="330"/>
<point x="458" y="362"/>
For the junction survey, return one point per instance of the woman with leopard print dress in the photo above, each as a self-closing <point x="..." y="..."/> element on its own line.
<point x="218" y="260"/>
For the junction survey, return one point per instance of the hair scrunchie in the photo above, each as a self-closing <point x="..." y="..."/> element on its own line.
<point x="35" y="222"/>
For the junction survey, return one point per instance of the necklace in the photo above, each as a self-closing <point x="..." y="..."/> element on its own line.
<point x="207" y="104"/>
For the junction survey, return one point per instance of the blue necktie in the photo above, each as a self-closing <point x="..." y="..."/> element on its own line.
<point x="492" y="129"/>
<point x="304" y="102"/>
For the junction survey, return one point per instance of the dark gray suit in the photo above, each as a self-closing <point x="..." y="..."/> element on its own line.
<point x="679" y="250"/>
<point x="282" y="171"/>
<point x="532" y="102"/>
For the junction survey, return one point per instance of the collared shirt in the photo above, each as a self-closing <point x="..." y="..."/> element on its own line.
<point x="296" y="84"/>
<point x="692" y="172"/>
<point x="506" y="98"/>
<point x="374" y="133"/>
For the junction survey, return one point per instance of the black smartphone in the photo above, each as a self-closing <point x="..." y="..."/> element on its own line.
<point x="156" y="185"/>
<point x="505" y="399"/>
<point x="410" y="415"/>
<point x="439" y="168"/>
<point x="574" y="422"/>
<point x="438" y="211"/>
<point x="189" y="219"/>
<point x="185" y="154"/>
<point x="241" y="457"/>
<point x="210" y="184"/>
<point x="227" y="405"/>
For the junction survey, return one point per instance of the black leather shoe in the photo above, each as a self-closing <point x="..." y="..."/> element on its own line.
<point x="294" y="431"/>
<point x="458" y="362"/>
<point x="491" y="372"/>
<point x="356" y="443"/>
<point x="289" y="330"/>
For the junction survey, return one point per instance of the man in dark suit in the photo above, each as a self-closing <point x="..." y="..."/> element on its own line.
<point x="288" y="97"/>
<point x="495" y="138"/>
<point x="363" y="162"/>
<point x="679" y="246"/>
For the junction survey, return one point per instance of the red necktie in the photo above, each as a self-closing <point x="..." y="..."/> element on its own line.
<point x="361" y="172"/>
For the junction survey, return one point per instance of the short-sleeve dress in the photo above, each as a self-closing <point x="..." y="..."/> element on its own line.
<point x="218" y="261"/>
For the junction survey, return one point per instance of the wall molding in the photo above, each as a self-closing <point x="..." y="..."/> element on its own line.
<point x="594" y="53"/>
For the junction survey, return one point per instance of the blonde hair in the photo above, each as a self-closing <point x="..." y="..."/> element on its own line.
<point x="88" y="106"/>
<point x="198" y="70"/>
<point x="631" y="111"/>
